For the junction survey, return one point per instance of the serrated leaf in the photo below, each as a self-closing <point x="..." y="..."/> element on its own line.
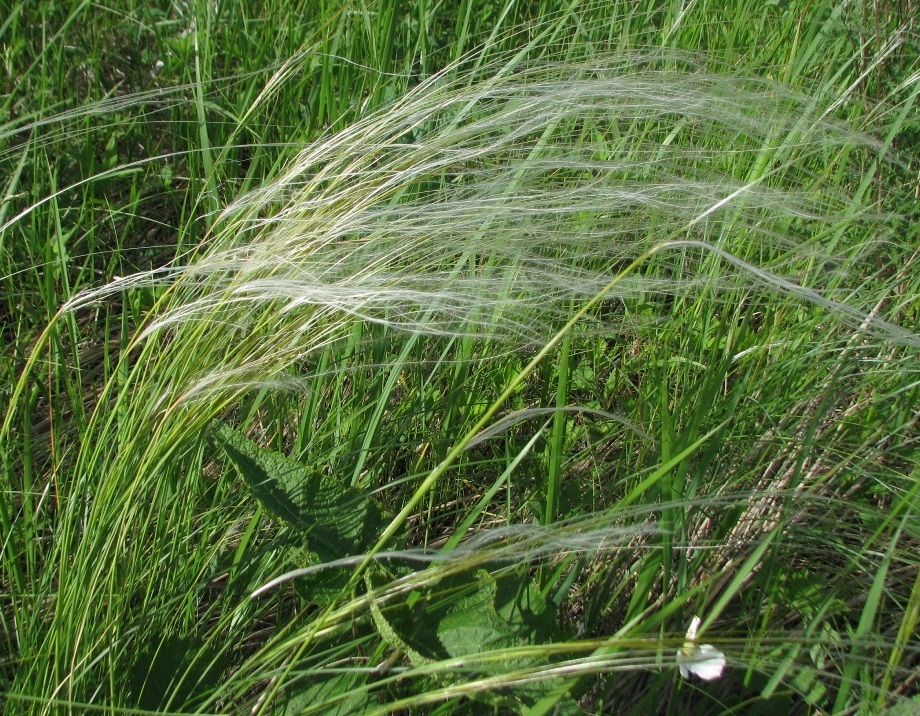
<point x="322" y="587"/>
<point x="473" y="626"/>
<point x="521" y="604"/>
<point x="399" y="626"/>
<point x="336" y="695"/>
<point x="504" y="613"/>
<point x="338" y="520"/>
<point x="470" y="614"/>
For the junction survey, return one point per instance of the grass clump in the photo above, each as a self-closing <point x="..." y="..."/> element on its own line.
<point x="453" y="360"/>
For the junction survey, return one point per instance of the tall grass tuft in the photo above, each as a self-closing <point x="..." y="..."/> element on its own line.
<point x="587" y="342"/>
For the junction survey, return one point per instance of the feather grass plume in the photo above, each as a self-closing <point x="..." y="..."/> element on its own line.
<point x="485" y="205"/>
<point x="488" y="206"/>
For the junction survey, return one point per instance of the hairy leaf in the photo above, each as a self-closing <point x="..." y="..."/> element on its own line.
<point x="338" y="520"/>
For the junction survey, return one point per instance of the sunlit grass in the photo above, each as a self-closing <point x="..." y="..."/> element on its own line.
<point x="614" y="305"/>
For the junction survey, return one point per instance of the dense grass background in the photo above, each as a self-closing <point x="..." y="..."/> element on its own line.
<point x="704" y="439"/>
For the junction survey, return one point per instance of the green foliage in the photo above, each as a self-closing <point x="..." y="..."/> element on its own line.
<point x="366" y="224"/>
<point x="472" y="621"/>
<point x="460" y="617"/>
<point x="174" y="669"/>
<point x="340" y="695"/>
<point x="338" y="521"/>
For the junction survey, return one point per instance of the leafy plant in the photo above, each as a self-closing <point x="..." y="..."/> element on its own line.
<point x="556" y="323"/>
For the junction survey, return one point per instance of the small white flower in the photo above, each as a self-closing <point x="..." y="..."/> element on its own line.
<point x="704" y="660"/>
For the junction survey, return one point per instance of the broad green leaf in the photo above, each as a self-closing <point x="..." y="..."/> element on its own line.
<point x="505" y="613"/>
<point x="472" y="614"/>
<point x="473" y="626"/>
<point x="520" y="602"/>
<point x="399" y="624"/>
<point x="465" y="615"/>
<point x="322" y="587"/>
<point x="338" y="520"/>
<point x="337" y="695"/>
